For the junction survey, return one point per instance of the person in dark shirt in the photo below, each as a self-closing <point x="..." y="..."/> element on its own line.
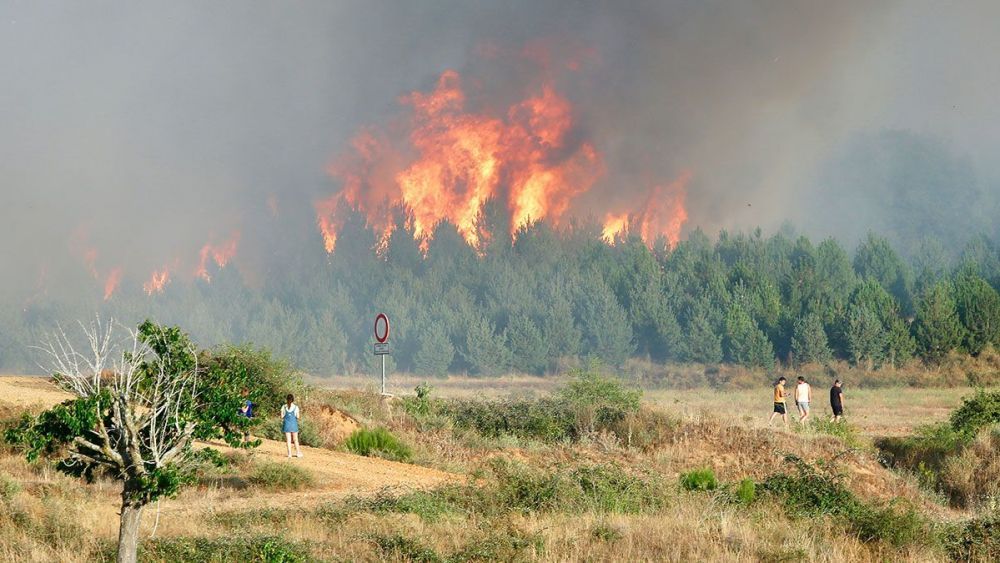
<point x="837" y="401"/>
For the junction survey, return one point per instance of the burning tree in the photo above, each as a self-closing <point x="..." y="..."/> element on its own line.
<point x="134" y="417"/>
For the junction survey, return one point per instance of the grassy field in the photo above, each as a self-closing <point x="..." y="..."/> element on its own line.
<point x="517" y="468"/>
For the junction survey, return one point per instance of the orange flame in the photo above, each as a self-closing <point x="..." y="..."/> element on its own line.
<point x="662" y="214"/>
<point x="157" y="281"/>
<point x="526" y="158"/>
<point x="90" y="257"/>
<point x="615" y="226"/>
<point x="221" y="253"/>
<point x="111" y="282"/>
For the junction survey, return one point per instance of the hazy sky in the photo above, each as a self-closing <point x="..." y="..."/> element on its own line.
<point x="146" y="129"/>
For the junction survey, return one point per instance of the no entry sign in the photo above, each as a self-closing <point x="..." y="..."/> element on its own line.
<point x="382" y="328"/>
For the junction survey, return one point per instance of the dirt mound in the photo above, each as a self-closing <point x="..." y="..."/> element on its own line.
<point x="332" y="425"/>
<point x="28" y="391"/>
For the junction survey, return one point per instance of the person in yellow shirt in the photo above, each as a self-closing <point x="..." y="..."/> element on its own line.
<point x="779" y="402"/>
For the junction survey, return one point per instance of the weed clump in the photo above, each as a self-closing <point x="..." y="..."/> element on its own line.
<point x="377" y="442"/>
<point x="280" y="476"/>
<point x="699" y="480"/>
<point x="273" y="549"/>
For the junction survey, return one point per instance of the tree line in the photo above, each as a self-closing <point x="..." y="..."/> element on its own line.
<point x="557" y="293"/>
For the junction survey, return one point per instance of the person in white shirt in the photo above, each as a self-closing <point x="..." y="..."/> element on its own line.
<point x="803" y="395"/>
<point x="290" y="425"/>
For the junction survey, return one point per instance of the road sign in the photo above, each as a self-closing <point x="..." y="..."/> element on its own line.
<point x="381" y="348"/>
<point x="382" y="328"/>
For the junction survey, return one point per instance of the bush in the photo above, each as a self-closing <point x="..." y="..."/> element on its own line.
<point x="377" y="442"/>
<point x="548" y="420"/>
<point x="812" y="492"/>
<point x="280" y="476"/>
<point x="973" y="540"/>
<point x="8" y="487"/>
<point x="598" y="401"/>
<point x="746" y="491"/>
<point x="982" y="409"/>
<point x="608" y="488"/>
<point x="397" y="547"/>
<point x="846" y="432"/>
<point x="699" y="480"/>
<point x="270" y="549"/>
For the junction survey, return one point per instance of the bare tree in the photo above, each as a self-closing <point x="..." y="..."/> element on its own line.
<point x="137" y="390"/>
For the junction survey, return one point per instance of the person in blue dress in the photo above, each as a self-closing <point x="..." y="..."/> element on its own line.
<point x="290" y="424"/>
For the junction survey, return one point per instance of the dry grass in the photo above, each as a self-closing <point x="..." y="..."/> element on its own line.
<point x="52" y="517"/>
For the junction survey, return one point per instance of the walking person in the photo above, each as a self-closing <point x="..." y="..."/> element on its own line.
<point x="803" y="396"/>
<point x="290" y="424"/>
<point x="779" y="402"/>
<point x="837" y="401"/>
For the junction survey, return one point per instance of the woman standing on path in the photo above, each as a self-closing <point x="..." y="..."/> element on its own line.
<point x="290" y="424"/>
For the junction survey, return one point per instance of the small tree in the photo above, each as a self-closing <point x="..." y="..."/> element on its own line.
<point x="134" y="417"/>
<point x="938" y="329"/>
<point x="809" y="342"/>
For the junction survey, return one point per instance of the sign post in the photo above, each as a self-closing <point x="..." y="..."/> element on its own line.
<point x="382" y="342"/>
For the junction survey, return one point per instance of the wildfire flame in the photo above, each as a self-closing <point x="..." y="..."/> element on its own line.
<point x="526" y="158"/>
<point x="157" y="281"/>
<point x="111" y="282"/>
<point x="220" y="253"/>
<point x="662" y="214"/>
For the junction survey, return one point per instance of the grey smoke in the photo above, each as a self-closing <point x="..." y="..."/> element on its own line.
<point x="151" y="127"/>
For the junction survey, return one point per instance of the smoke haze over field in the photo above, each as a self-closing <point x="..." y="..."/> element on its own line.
<point x="134" y="135"/>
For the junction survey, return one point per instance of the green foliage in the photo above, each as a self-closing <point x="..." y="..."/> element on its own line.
<point x="598" y="401"/>
<point x="975" y="412"/>
<point x="377" y="442"/>
<point x="809" y="341"/>
<point x="746" y="343"/>
<point x="809" y="491"/>
<point x="263" y="549"/>
<point x="563" y="294"/>
<point x="977" y="539"/>
<point x="937" y="328"/>
<point x="843" y="430"/>
<point x="699" y="480"/>
<point x="280" y="476"/>
<point x="978" y="306"/>
<point x="397" y="547"/>
<point x="224" y="376"/>
<point x="548" y="420"/>
<point x="746" y="491"/>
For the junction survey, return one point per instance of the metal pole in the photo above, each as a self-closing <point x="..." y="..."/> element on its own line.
<point x="383" y="374"/>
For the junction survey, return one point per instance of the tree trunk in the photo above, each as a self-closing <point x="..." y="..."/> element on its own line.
<point x="128" y="532"/>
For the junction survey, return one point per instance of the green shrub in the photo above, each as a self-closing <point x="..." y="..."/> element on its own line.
<point x="606" y="533"/>
<point x="280" y="476"/>
<point x="548" y="420"/>
<point x="973" y="540"/>
<point x="269" y="549"/>
<point x="746" y="491"/>
<point x="982" y="409"/>
<point x="428" y="505"/>
<point x="812" y="492"/>
<point x="598" y="401"/>
<point x="8" y="487"/>
<point x="608" y="488"/>
<point x="377" y="442"/>
<point x="401" y="548"/>
<point x="846" y="432"/>
<point x="699" y="480"/>
<point x="506" y="543"/>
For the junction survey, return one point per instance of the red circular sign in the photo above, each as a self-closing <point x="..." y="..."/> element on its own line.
<point x="382" y="334"/>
